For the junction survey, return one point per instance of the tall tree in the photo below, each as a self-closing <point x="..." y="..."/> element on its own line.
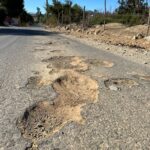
<point x="77" y="13"/>
<point x="14" y="7"/>
<point x="132" y="6"/>
<point x="65" y="12"/>
<point x="47" y="8"/>
<point x="122" y="6"/>
<point x="38" y="14"/>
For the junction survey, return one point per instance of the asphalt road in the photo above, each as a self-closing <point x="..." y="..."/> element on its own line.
<point x="119" y="120"/>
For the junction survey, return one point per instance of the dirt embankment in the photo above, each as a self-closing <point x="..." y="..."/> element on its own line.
<point x="115" y="33"/>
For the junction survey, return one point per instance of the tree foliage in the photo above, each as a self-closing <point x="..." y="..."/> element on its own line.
<point x="65" y="12"/>
<point x="38" y="14"/>
<point x="14" y="7"/>
<point x="25" y="17"/>
<point x="3" y="13"/>
<point x="77" y="13"/>
<point x="132" y="7"/>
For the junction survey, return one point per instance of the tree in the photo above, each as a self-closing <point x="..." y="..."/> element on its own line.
<point x="14" y="7"/>
<point x="26" y="18"/>
<point x="68" y="11"/>
<point x="55" y="9"/>
<point x="122" y="7"/>
<point x="65" y="12"/>
<point x="46" y="8"/>
<point x="3" y="13"/>
<point x="132" y="6"/>
<point x="77" y="13"/>
<point x="38" y="13"/>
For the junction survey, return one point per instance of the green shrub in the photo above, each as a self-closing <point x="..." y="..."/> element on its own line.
<point x="131" y="20"/>
<point x="127" y="19"/>
<point x="97" y="19"/>
<point x="52" y="21"/>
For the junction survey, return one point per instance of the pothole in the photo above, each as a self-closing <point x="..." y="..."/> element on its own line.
<point x="46" y="118"/>
<point x="44" y="42"/>
<point x="75" y="63"/>
<point x="142" y="77"/>
<point x="67" y="62"/>
<point x="118" y="83"/>
<point x="96" y="62"/>
<point x="74" y="89"/>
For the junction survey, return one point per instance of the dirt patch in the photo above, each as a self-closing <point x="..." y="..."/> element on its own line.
<point x="79" y="62"/>
<point x="67" y="62"/>
<point x="119" y="83"/>
<point x="75" y="63"/>
<point x="75" y="89"/>
<point x="44" y="42"/>
<point x="58" y="65"/>
<point x="46" y="118"/>
<point x="96" y="62"/>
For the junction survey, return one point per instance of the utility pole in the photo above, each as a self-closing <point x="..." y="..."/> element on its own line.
<point x="105" y="14"/>
<point x="62" y="16"/>
<point x="46" y="9"/>
<point x="83" y="17"/>
<point x="146" y="7"/>
<point x="148" y="22"/>
<point x="70" y="11"/>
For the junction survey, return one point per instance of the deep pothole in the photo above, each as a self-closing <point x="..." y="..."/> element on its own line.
<point x="119" y="83"/>
<point x="46" y="118"/>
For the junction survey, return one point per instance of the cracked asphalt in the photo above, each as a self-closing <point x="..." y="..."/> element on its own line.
<point x="120" y="119"/>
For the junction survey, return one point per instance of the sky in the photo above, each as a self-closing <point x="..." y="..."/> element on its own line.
<point x="31" y="5"/>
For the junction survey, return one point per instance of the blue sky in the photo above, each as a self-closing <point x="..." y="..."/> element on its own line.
<point x="31" y="5"/>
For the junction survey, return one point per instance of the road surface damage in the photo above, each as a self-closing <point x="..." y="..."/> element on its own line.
<point x="74" y="90"/>
<point x="119" y="83"/>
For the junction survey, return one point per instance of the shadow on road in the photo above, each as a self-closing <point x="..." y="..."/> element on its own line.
<point x="24" y="32"/>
